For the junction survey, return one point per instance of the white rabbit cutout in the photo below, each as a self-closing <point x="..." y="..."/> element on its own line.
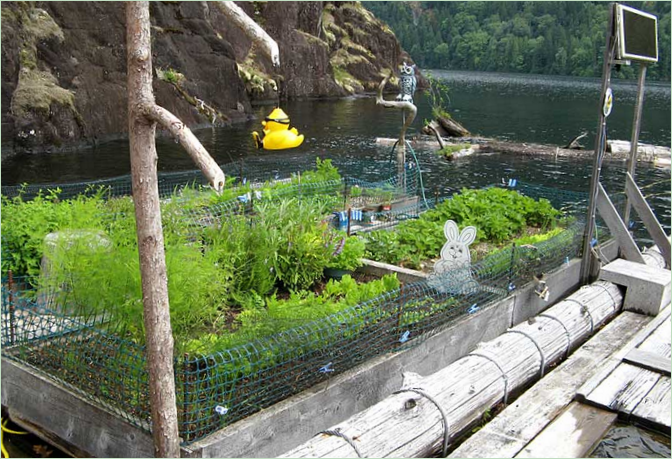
<point x="455" y="252"/>
<point x="456" y="260"/>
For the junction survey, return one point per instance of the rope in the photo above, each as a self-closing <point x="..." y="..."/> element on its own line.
<point x="541" y="353"/>
<point x="444" y="417"/>
<point x="504" y="376"/>
<point x="569" y="340"/>
<point x="338" y="433"/>
<point x="585" y="309"/>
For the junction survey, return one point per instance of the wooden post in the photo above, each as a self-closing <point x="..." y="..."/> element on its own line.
<point x="156" y="311"/>
<point x="600" y="145"/>
<point x="634" y="143"/>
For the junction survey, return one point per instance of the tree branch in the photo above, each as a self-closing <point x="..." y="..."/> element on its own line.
<point x="251" y="29"/>
<point x="188" y="140"/>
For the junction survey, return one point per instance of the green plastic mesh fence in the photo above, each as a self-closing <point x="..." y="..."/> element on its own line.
<point x="88" y="354"/>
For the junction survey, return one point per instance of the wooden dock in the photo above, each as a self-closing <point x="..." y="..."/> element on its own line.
<point x="636" y="382"/>
<point x="623" y="372"/>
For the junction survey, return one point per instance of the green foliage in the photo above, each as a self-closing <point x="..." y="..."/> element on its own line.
<point x="499" y="215"/>
<point x="449" y="150"/>
<point x="324" y="171"/>
<point x="26" y="223"/>
<point x="437" y="96"/>
<point x="302" y="307"/>
<point x="300" y="242"/>
<point x="350" y="256"/>
<point x="560" y="38"/>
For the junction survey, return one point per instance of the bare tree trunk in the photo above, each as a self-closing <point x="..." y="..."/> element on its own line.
<point x="150" y="233"/>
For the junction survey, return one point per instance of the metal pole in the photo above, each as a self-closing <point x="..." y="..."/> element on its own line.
<point x="600" y="142"/>
<point x="636" y="127"/>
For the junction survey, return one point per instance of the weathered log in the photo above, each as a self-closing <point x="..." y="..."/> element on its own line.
<point x="452" y="127"/>
<point x="622" y="147"/>
<point x="438" y="131"/>
<point x="409" y="424"/>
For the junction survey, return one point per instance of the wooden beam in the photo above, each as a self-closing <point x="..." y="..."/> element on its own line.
<point x="654" y="410"/>
<point x="649" y="361"/>
<point x="575" y="433"/>
<point x="32" y="397"/>
<point x="623" y="389"/>
<point x="519" y="423"/>
<point x="648" y="217"/>
<point x="616" y="359"/>
<point x="617" y="227"/>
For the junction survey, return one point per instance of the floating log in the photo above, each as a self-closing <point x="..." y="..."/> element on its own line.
<point x="425" y="416"/>
<point x="452" y="127"/>
<point x="622" y="147"/>
<point x="657" y="155"/>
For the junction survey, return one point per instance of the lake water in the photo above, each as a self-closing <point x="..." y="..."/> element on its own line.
<point x="524" y="108"/>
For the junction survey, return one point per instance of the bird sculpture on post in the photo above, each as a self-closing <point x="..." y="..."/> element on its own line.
<point x="404" y="102"/>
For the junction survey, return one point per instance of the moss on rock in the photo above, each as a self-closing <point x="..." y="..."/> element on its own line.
<point x="37" y="91"/>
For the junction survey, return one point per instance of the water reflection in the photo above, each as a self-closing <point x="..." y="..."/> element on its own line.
<point x="630" y="441"/>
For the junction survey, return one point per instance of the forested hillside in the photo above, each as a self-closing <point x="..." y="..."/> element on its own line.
<point x="562" y="38"/>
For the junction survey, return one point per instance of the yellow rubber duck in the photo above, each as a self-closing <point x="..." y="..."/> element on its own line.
<point x="277" y="134"/>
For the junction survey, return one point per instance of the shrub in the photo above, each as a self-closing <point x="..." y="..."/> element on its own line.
<point x="26" y="223"/>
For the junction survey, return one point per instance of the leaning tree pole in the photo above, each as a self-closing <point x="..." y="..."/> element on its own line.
<point x="143" y="116"/>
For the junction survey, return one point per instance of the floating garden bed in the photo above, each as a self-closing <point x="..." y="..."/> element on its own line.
<point x="501" y="217"/>
<point x="254" y="317"/>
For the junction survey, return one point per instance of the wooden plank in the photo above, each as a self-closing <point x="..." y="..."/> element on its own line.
<point x="648" y="361"/>
<point x="654" y="411"/>
<point x="521" y="422"/>
<point x="625" y="387"/>
<point x="660" y="341"/>
<point x="68" y="416"/>
<point x="617" y="227"/>
<point x="47" y="436"/>
<point x="574" y="433"/>
<point x="609" y="366"/>
<point x="648" y="217"/>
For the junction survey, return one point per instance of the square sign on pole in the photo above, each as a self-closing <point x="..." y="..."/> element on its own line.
<point x="637" y="34"/>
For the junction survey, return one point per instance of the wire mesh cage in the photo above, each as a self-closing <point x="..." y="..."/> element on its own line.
<point x="88" y="352"/>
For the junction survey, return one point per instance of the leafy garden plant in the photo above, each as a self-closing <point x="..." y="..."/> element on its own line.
<point x="500" y="216"/>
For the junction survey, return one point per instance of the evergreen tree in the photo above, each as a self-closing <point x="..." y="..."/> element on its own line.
<point x="563" y="38"/>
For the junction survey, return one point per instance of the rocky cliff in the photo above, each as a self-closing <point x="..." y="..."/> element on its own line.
<point x="64" y="64"/>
